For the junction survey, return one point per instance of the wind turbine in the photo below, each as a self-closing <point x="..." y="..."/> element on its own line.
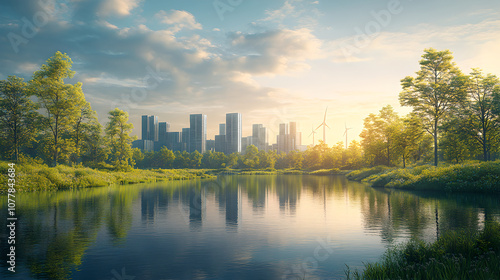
<point x="312" y="133"/>
<point x="324" y="126"/>
<point x="345" y="133"/>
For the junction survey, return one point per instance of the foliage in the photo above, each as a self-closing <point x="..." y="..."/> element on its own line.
<point x="455" y="255"/>
<point x="18" y="117"/>
<point x="33" y="175"/>
<point x="60" y="101"/>
<point x="438" y="87"/>
<point x="469" y="177"/>
<point x="119" y="140"/>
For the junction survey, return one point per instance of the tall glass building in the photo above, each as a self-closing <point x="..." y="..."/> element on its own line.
<point x="197" y="132"/>
<point x="233" y="133"/>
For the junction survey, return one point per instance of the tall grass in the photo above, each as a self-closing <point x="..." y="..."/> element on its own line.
<point x="36" y="176"/>
<point x="481" y="177"/>
<point x="455" y="255"/>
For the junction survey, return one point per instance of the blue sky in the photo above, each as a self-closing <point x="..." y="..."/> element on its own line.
<point x="273" y="61"/>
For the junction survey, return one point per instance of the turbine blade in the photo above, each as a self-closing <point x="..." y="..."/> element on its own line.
<point x="327" y="126"/>
<point x="319" y="126"/>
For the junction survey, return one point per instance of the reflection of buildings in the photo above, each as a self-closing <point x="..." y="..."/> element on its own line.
<point x="196" y="204"/>
<point x="232" y="208"/>
<point x="152" y="202"/>
<point x="287" y="194"/>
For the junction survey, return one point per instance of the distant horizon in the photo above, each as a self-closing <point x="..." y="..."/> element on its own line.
<point x="273" y="61"/>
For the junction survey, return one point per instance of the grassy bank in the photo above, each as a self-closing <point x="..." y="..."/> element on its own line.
<point x="35" y="177"/>
<point x="470" y="177"/>
<point x="455" y="255"/>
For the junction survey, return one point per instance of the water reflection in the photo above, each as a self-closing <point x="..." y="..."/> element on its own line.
<point x="237" y="227"/>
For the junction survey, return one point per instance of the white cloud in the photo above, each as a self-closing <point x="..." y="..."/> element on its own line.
<point x="117" y="7"/>
<point x="179" y="20"/>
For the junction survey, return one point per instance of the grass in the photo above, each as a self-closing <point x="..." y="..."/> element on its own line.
<point x="479" y="177"/>
<point x="455" y="255"/>
<point x="37" y="177"/>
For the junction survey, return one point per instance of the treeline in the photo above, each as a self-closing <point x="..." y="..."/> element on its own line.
<point x="46" y="118"/>
<point x="318" y="157"/>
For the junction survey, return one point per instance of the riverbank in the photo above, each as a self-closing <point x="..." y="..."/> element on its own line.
<point x="479" y="177"/>
<point x="455" y="255"/>
<point x="40" y="177"/>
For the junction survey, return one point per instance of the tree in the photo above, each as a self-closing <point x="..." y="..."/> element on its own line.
<point x="251" y="158"/>
<point x="117" y="133"/>
<point x="85" y="116"/>
<point x="57" y="98"/>
<point x="17" y="115"/>
<point x="93" y="149"/>
<point x="195" y="159"/>
<point x="483" y="121"/>
<point x="407" y="136"/>
<point x="439" y="86"/>
<point x="377" y="136"/>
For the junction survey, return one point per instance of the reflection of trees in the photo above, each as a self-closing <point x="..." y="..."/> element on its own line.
<point x="56" y="228"/>
<point x="392" y="212"/>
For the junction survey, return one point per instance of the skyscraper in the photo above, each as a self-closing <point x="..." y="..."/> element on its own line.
<point x="259" y="136"/>
<point x="144" y="128"/>
<point x="185" y="139"/>
<point x="153" y="128"/>
<point x="222" y="129"/>
<point x="233" y="133"/>
<point x="197" y="132"/>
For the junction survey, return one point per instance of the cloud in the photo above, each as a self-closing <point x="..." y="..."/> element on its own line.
<point x="117" y="7"/>
<point x="276" y="51"/>
<point x="466" y="38"/>
<point x="179" y="20"/>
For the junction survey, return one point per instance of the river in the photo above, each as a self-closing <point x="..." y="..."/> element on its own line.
<point x="235" y="227"/>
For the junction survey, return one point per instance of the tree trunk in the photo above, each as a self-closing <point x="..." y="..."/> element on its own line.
<point x="435" y="143"/>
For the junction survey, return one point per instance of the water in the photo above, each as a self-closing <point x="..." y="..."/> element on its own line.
<point x="236" y="227"/>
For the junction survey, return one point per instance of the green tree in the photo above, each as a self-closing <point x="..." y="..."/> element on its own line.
<point x="57" y="98"/>
<point x="251" y="158"/>
<point x="479" y="110"/>
<point x="84" y="118"/>
<point x="165" y="158"/>
<point x="438" y="86"/>
<point x="117" y="133"/>
<point x="407" y="136"/>
<point x="94" y="147"/>
<point x="18" y="116"/>
<point x="377" y="136"/>
<point x="195" y="159"/>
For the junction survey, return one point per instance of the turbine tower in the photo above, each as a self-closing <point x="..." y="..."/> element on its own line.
<point x="324" y="126"/>
<point x="312" y="133"/>
<point x="345" y="133"/>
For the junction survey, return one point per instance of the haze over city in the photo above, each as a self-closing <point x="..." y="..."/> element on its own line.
<point x="272" y="61"/>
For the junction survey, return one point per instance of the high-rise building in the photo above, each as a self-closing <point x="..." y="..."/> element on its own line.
<point x="210" y="145"/>
<point x="220" y="143"/>
<point x="259" y="137"/>
<point x="222" y="129"/>
<point x="185" y="139"/>
<point x="282" y="138"/>
<point x="173" y="141"/>
<point x="197" y="132"/>
<point x="145" y="128"/>
<point x="163" y="128"/>
<point x="153" y="128"/>
<point x="233" y="133"/>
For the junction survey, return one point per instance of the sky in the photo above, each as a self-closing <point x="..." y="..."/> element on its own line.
<point x="273" y="61"/>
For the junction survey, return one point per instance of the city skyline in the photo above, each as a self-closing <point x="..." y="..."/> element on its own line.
<point x="229" y="140"/>
<point x="273" y="61"/>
